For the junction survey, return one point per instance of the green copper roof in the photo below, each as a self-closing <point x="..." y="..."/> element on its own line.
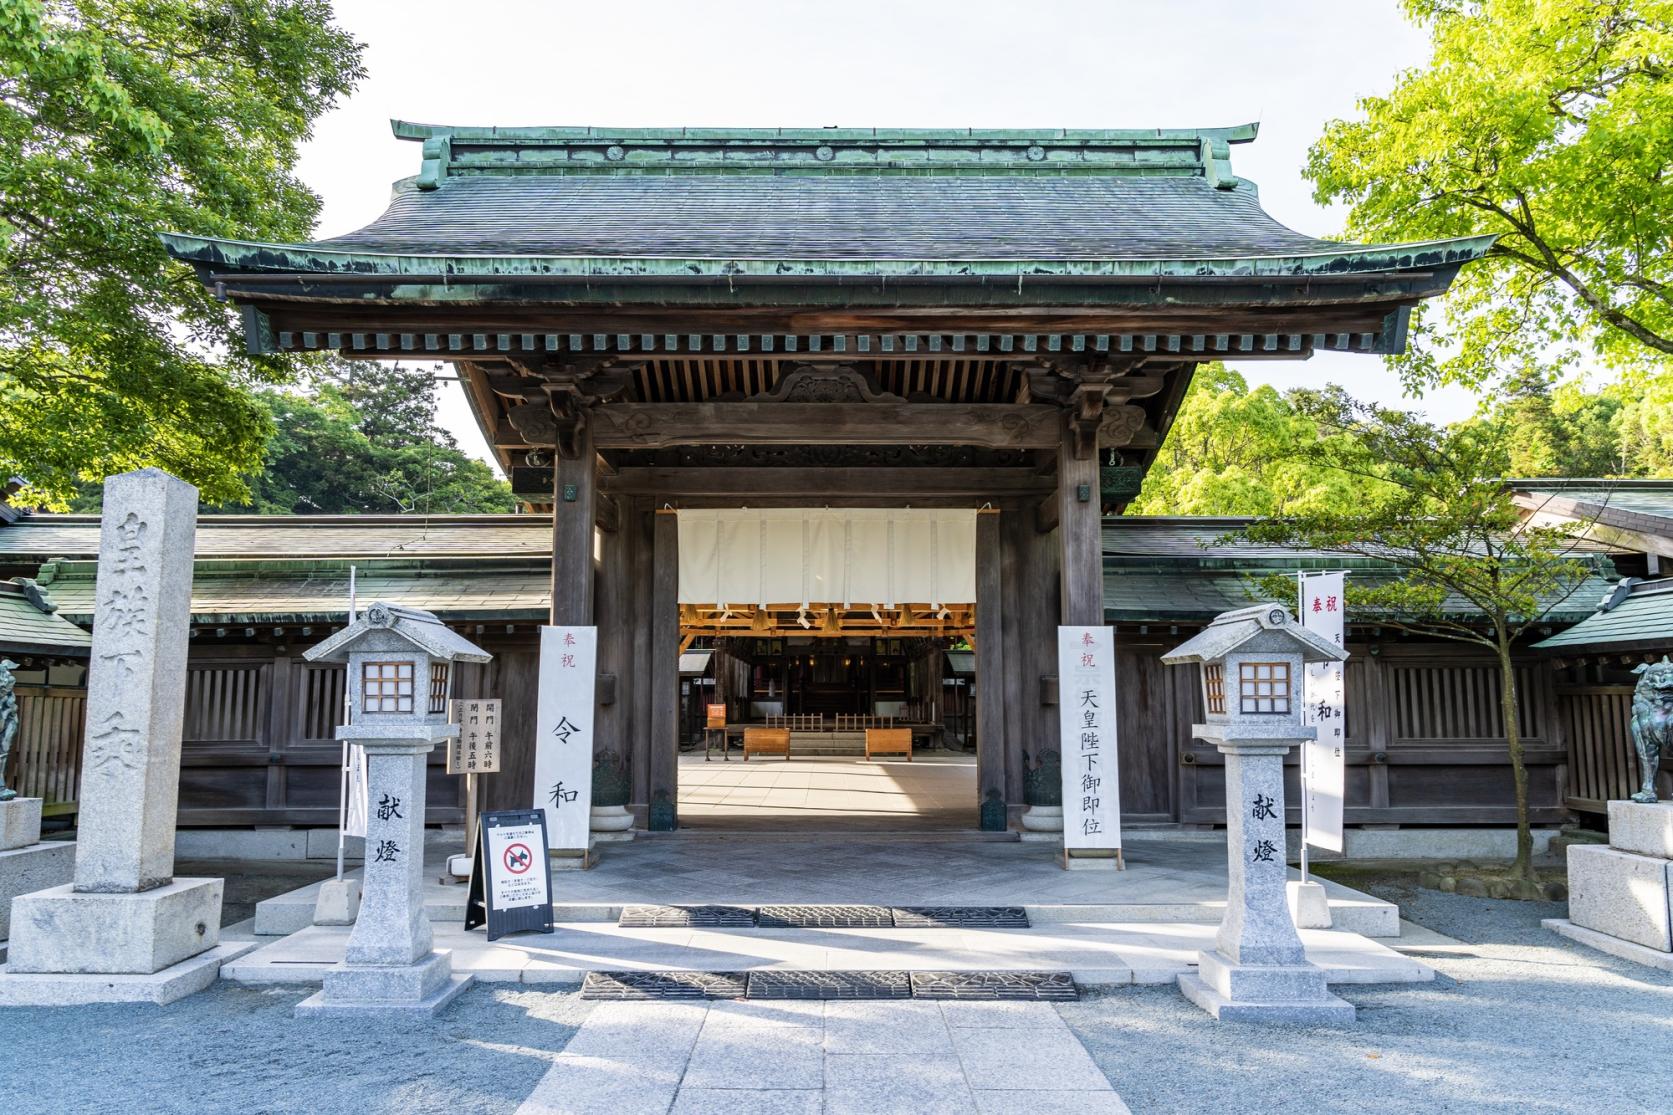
<point x="26" y="627"/>
<point x="1633" y="616"/>
<point x="787" y="204"/>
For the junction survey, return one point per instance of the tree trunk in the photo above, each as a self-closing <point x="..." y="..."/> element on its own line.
<point x="1518" y="769"/>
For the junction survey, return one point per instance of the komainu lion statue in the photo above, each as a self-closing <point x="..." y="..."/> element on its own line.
<point x="1652" y="721"/>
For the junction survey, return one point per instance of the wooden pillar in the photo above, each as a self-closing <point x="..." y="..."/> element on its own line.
<point x="574" y="515"/>
<point x="991" y="737"/>
<point x="665" y="658"/>
<point x="642" y="560"/>
<point x="1079" y="531"/>
<point x="1036" y="655"/>
<point x="614" y="613"/>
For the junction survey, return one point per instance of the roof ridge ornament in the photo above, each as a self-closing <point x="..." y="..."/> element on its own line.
<point x="438" y="152"/>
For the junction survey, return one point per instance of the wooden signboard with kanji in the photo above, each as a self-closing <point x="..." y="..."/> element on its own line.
<point x="476" y="749"/>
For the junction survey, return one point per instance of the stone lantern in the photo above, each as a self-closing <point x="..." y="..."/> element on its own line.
<point x="1251" y="661"/>
<point x="400" y="662"/>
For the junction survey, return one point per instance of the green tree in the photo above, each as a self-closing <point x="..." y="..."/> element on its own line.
<point x="1549" y="123"/>
<point x="1462" y="565"/>
<point x="1237" y="451"/>
<point x="1556" y="429"/>
<point x="120" y="119"/>
<point x="366" y="441"/>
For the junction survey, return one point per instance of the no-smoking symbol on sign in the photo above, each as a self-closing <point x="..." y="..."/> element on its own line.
<point x="518" y="858"/>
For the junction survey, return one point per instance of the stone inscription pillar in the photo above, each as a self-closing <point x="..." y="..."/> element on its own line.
<point x="125" y="913"/>
<point x="136" y="685"/>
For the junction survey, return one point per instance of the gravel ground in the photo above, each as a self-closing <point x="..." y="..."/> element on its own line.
<point x="239" y="1050"/>
<point x="1520" y="1020"/>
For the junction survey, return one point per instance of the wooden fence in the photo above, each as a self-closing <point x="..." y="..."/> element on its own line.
<point x="1601" y="761"/>
<point x="48" y="746"/>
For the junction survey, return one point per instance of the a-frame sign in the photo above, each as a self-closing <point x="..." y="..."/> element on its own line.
<point x="511" y="890"/>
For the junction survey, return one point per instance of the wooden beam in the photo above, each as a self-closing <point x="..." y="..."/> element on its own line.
<point x="661" y="425"/>
<point x="810" y="482"/>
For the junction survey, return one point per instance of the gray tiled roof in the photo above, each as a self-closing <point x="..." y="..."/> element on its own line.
<point x="850" y="216"/>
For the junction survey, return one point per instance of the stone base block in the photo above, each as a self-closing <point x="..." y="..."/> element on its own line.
<point x="20" y="824"/>
<point x="1043" y="818"/>
<point x="1289" y="994"/>
<point x="1260" y="982"/>
<point x="1623" y="894"/>
<point x="64" y="931"/>
<point x="32" y="868"/>
<point x="1309" y="907"/>
<point x="1644" y="829"/>
<point x="54" y="989"/>
<point x="1090" y="863"/>
<point x="425" y="987"/>
<point x="612" y="837"/>
<point x="1326" y="1011"/>
<point x="1614" y="946"/>
<point x="338" y="902"/>
<point x="1040" y="837"/>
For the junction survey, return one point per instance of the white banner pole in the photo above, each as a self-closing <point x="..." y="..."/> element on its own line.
<point x="1306" y="794"/>
<point x="343" y="765"/>
<point x="1325" y="695"/>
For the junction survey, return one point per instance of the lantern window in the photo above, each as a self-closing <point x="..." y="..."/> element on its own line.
<point x="1214" y="687"/>
<point x="386" y="686"/>
<point x="1263" y="688"/>
<point x="438" y="687"/>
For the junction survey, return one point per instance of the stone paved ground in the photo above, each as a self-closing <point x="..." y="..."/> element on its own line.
<point x="1521" y="1021"/>
<point x="837" y="1058"/>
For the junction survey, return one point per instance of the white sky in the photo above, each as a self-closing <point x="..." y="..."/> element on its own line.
<point x="1292" y="65"/>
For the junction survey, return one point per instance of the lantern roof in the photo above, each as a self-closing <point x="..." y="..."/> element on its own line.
<point x="420" y="628"/>
<point x="1267" y="626"/>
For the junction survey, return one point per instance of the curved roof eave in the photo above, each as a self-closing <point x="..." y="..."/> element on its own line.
<point x="255" y="257"/>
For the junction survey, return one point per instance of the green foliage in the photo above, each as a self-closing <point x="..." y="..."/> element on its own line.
<point x="1462" y="565"/>
<point x="1563" y="429"/>
<point x="120" y="119"/>
<point x="1236" y="451"/>
<point x="366" y="441"/>
<point x="1550" y="123"/>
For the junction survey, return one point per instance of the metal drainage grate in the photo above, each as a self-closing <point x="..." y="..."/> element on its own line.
<point x="775" y="984"/>
<point x="687" y="917"/>
<point x="960" y="917"/>
<point x="824" y="917"/>
<point x="664" y="985"/>
<point x="1031" y="986"/>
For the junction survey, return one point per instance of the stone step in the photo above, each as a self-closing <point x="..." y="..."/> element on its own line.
<point x="1095" y="955"/>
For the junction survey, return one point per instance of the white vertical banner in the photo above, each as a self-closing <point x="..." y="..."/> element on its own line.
<point x="1324" y="759"/>
<point x="563" y="734"/>
<point x="354" y="823"/>
<point x="1086" y="715"/>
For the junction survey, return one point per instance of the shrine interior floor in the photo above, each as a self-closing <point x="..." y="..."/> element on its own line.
<point x="935" y="791"/>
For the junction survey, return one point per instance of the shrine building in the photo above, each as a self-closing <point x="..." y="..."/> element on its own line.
<point x="829" y="427"/>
